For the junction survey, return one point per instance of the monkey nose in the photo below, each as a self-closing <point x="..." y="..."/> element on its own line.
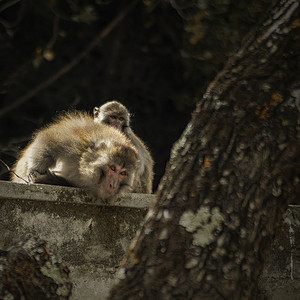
<point x="119" y="125"/>
<point x="111" y="187"/>
<point x="111" y="183"/>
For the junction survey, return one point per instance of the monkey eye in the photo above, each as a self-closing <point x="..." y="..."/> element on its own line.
<point x="123" y="173"/>
<point x="113" y="117"/>
<point x="113" y="168"/>
<point x="121" y="119"/>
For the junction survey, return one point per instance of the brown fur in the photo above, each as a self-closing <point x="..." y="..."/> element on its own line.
<point x="74" y="150"/>
<point x="145" y="169"/>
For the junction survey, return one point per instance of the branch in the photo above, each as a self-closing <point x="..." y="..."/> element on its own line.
<point x="8" y="4"/>
<point x="54" y="32"/>
<point x="10" y="170"/>
<point x="73" y="63"/>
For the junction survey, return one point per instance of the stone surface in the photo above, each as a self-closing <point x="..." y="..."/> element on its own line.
<point x="91" y="235"/>
<point x="280" y="279"/>
<point x="43" y="192"/>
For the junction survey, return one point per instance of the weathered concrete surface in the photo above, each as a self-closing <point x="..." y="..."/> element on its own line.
<point x="91" y="235"/>
<point x="281" y="276"/>
<point x="43" y="192"/>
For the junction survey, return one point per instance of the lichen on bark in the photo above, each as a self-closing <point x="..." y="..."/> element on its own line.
<point x="205" y="224"/>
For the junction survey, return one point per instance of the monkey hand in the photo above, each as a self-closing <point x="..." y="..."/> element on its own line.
<point x="125" y="189"/>
<point x="33" y="176"/>
<point x="127" y="130"/>
<point x="37" y="177"/>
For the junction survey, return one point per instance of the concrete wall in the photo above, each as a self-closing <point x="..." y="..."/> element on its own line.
<point x="281" y="276"/>
<point x="91" y="236"/>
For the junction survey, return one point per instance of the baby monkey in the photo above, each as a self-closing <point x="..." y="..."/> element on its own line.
<point x="76" y="151"/>
<point x="116" y="115"/>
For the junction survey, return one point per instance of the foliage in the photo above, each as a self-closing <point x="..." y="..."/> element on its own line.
<point x="157" y="61"/>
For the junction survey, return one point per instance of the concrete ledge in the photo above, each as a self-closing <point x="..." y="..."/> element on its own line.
<point x="88" y="234"/>
<point x="91" y="235"/>
<point x="44" y="192"/>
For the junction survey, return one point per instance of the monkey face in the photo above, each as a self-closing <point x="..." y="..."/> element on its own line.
<point x="108" y="169"/>
<point x="111" y="179"/>
<point x="103" y="177"/>
<point x="115" y="121"/>
<point x="112" y="113"/>
<point x="104" y="181"/>
<point x="115" y="175"/>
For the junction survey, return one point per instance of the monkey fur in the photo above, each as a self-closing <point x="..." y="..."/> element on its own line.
<point x="116" y="115"/>
<point x="76" y="151"/>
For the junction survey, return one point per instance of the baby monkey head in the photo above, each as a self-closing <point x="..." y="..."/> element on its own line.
<point x="112" y="113"/>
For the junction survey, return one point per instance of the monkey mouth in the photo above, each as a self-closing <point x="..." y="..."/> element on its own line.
<point x="105" y="194"/>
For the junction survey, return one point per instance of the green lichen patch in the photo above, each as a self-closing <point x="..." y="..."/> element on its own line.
<point x="204" y="224"/>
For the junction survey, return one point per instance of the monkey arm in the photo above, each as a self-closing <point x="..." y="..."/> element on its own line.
<point x="144" y="185"/>
<point x="51" y="178"/>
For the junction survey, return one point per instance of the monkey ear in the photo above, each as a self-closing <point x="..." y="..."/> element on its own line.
<point x="93" y="153"/>
<point x="102" y="146"/>
<point x="96" y="111"/>
<point x="96" y="145"/>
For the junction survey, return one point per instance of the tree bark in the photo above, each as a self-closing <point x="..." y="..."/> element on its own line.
<point x="29" y="270"/>
<point x="230" y="177"/>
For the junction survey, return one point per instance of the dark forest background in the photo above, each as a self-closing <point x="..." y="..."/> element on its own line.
<point x="157" y="61"/>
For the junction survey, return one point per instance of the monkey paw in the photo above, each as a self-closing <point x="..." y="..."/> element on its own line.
<point x="34" y="176"/>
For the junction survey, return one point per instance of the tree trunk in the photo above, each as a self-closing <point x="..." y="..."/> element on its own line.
<point x="230" y="177"/>
<point x="30" y="271"/>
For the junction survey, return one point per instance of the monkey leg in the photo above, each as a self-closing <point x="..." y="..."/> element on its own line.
<point x="39" y="163"/>
<point x="50" y="178"/>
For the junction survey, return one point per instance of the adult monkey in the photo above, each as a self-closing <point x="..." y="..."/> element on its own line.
<point x="76" y="151"/>
<point x="117" y="115"/>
